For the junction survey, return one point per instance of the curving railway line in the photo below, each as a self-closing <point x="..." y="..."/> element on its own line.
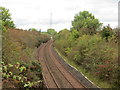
<point x="54" y="73"/>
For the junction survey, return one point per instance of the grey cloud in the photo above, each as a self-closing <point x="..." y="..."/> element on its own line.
<point x="35" y="12"/>
<point x="21" y="22"/>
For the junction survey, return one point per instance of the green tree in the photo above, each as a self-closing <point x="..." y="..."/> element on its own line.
<point x="106" y="32"/>
<point x="51" y="31"/>
<point x="64" y="34"/>
<point x="85" y="20"/>
<point x="5" y="18"/>
<point x="32" y="29"/>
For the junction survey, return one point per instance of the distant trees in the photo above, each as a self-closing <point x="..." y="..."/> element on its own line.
<point x="51" y="31"/>
<point x="32" y="29"/>
<point x="86" y="20"/>
<point x="5" y="18"/>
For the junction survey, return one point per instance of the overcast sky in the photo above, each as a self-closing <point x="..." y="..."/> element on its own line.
<point x="36" y="13"/>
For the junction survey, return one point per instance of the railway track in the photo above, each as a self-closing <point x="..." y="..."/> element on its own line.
<point x="48" y="78"/>
<point x="54" y="73"/>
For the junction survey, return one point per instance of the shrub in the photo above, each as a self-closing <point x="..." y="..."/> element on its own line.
<point x="21" y="79"/>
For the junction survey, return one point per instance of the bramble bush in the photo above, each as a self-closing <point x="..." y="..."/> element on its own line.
<point x="17" y="75"/>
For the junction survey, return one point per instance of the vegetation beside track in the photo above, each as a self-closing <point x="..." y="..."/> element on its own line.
<point x="19" y="66"/>
<point x="91" y="48"/>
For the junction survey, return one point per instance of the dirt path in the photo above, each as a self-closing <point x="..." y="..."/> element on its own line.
<point x="54" y="73"/>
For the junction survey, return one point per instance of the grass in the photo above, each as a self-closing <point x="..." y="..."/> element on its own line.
<point x="96" y="81"/>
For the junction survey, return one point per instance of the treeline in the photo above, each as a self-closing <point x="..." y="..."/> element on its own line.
<point x="91" y="47"/>
<point x="20" y="68"/>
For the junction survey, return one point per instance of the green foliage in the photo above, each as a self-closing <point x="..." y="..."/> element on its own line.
<point x="51" y="32"/>
<point x="86" y="20"/>
<point x="5" y="16"/>
<point x="68" y="50"/>
<point x="91" y="52"/>
<point x="75" y="34"/>
<point x="32" y="29"/>
<point x="64" y="34"/>
<point x="21" y="80"/>
<point x="106" y="32"/>
<point x="64" y="39"/>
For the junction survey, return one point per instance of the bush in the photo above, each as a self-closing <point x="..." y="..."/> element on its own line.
<point x="20" y="76"/>
<point x="106" y="32"/>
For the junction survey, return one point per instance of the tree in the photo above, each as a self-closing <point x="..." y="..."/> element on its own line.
<point x="32" y="29"/>
<point x="85" y="20"/>
<point x="64" y="34"/>
<point x="106" y="32"/>
<point x="5" y="18"/>
<point x="51" y="31"/>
